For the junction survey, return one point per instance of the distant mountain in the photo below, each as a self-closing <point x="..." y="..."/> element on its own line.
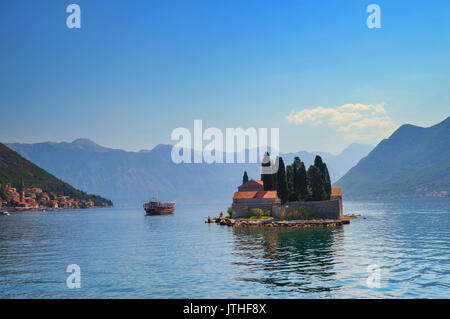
<point x="133" y="177"/>
<point x="14" y="167"/>
<point x="413" y="161"/>
<point x="339" y="164"/>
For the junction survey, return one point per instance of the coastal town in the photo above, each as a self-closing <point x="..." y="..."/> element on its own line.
<point x="34" y="198"/>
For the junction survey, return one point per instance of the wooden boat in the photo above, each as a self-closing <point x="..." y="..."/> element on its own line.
<point x="157" y="208"/>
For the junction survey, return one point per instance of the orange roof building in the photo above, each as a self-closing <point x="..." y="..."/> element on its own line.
<point x="245" y="195"/>
<point x="255" y="194"/>
<point x="252" y="195"/>
<point x="267" y="194"/>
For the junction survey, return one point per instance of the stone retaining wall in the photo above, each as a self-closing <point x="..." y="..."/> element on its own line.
<point x="327" y="209"/>
<point x="238" y="206"/>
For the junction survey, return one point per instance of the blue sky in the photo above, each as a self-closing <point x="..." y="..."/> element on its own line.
<point x="136" y="70"/>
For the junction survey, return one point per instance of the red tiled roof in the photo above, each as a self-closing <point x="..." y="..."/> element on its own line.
<point x="259" y="182"/>
<point x="244" y="195"/>
<point x="266" y="194"/>
<point x="255" y="194"/>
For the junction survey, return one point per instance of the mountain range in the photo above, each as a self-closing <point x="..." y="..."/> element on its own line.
<point x="413" y="162"/>
<point x="130" y="178"/>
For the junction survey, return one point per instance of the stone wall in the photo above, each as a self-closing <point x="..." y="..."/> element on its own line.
<point x="239" y="205"/>
<point x="327" y="209"/>
<point x="340" y="203"/>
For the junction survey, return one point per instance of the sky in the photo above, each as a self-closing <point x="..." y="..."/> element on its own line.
<point x="137" y="70"/>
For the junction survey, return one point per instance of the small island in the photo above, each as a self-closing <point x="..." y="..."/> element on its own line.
<point x="290" y="197"/>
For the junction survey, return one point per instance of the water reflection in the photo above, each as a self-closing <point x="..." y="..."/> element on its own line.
<point x="124" y="254"/>
<point x="289" y="260"/>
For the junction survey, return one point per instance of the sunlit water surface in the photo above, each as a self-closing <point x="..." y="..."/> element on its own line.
<point x="124" y="254"/>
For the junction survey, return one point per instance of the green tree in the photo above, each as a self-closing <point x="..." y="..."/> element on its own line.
<point x="301" y="182"/>
<point x="299" y="179"/>
<point x="295" y="165"/>
<point x="275" y="181"/>
<point x="316" y="183"/>
<point x="267" y="178"/>
<point x="325" y="174"/>
<point x="298" y="186"/>
<point x="282" y="187"/>
<point x="245" y="178"/>
<point x="290" y="182"/>
<point x="327" y="181"/>
<point x="258" y="212"/>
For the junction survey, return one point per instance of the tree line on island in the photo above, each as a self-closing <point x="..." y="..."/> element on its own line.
<point x="295" y="183"/>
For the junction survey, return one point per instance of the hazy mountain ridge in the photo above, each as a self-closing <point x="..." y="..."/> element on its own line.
<point x="413" y="162"/>
<point x="133" y="177"/>
<point x="338" y="164"/>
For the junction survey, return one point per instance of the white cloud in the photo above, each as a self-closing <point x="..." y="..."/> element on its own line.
<point x="374" y="109"/>
<point x="359" y="122"/>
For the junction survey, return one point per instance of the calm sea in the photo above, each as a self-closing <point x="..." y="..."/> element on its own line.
<point x="124" y="254"/>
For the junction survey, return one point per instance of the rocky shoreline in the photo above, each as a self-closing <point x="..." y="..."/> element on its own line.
<point x="277" y="223"/>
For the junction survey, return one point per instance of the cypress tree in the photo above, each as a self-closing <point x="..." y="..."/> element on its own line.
<point x="295" y="166"/>
<point x="267" y="178"/>
<point x="316" y="183"/>
<point x="245" y="178"/>
<point x="275" y="176"/>
<point x="300" y="189"/>
<point x="327" y="181"/>
<point x="318" y="162"/>
<point x="302" y="182"/>
<point x="325" y="175"/>
<point x="282" y="187"/>
<point x="290" y="182"/>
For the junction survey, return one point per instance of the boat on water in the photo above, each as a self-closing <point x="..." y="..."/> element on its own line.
<point x="154" y="207"/>
<point x="5" y="213"/>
